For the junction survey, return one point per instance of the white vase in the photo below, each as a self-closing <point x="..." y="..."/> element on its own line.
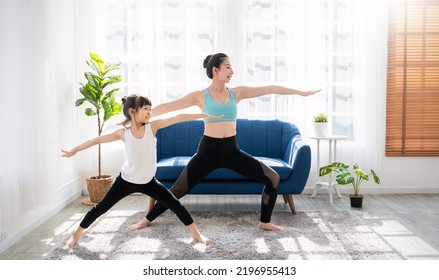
<point x="321" y="129"/>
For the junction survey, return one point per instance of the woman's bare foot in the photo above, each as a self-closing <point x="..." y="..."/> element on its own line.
<point x="197" y="235"/>
<point x="141" y="224"/>
<point x="202" y="239"/>
<point x="270" y="226"/>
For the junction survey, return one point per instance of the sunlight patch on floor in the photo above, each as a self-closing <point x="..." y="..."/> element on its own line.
<point x="289" y="244"/>
<point x="260" y="245"/>
<point x="404" y="240"/>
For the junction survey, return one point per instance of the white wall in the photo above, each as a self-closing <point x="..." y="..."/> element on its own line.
<point x="397" y="174"/>
<point x="38" y="77"/>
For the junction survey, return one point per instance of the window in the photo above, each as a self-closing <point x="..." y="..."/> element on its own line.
<point x="293" y="42"/>
<point x="158" y="42"/>
<point x="412" y="120"/>
<point x="301" y="44"/>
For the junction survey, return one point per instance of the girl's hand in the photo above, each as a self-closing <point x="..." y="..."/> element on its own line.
<point x="209" y="117"/>
<point x="67" y="154"/>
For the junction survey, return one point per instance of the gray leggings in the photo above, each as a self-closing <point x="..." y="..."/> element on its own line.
<point x="216" y="153"/>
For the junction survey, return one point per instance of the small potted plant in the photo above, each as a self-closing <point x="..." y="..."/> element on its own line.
<point x="344" y="177"/>
<point x="103" y="106"/>
<point x="320" y="124"/>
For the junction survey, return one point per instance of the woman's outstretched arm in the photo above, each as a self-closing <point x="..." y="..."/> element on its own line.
<point x="191" y="99"/>
<point x="244" y="92"/>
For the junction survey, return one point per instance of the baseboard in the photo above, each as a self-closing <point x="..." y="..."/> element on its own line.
<point x="16" y="236"/>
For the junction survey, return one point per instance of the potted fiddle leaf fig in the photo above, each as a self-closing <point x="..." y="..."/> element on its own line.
<point x="320" y="121"/>
<point x="347" y="175"/>
<point x="99" y="92"/>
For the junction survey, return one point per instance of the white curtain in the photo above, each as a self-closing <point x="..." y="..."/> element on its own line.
<point x="370" y="45"/>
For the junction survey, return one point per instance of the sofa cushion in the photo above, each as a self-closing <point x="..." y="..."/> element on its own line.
<point x="170" y="169"/>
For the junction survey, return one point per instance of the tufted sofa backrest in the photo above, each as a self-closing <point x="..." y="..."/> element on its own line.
<point x="264" y="138"/>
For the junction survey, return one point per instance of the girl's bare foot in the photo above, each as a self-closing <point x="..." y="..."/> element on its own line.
<point x="270" y="226"/>
<point x="141" y="224"/>
<point x="70" y="243"/>
<point x="72" y="240"/>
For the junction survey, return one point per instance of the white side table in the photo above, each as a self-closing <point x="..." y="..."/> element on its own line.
<point x="332" y="157"/>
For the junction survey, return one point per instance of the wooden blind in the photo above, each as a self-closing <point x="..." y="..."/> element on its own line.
<point x="412" y="108"/>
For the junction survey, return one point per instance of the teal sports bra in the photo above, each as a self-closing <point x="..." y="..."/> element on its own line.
<point x="229" y="109"/>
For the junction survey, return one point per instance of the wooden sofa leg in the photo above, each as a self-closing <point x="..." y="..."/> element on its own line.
<point x="289" y="198"/>
<point x="151" y="203"/>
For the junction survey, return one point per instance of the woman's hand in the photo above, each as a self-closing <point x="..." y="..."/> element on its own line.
<point x="310" y="92"/>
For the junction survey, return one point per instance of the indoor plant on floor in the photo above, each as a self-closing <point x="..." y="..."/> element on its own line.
<point x="345" y="177"/>
<point x="97" y="92"/>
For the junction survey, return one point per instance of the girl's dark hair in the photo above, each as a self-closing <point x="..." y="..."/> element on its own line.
<point x="213" y="61"/>
<point x="135" y="102"/>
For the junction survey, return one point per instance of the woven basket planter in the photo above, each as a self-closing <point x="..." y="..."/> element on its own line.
<point x="98" y="187"/>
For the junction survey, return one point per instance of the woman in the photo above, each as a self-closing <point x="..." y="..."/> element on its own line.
<point x="218" y="146"/>
<point x="137" y="174"/>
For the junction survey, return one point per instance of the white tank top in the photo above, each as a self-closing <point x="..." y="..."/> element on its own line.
<point x="141" y="157"/>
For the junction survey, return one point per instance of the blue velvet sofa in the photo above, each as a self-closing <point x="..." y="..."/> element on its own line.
<point x="276" y="143"/>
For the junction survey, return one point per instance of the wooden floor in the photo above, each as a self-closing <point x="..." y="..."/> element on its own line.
<point x="409" y="222"/>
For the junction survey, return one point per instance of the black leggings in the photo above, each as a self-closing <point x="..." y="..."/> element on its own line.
<point x="122" y="188"/>
<point x="215" y="153"/>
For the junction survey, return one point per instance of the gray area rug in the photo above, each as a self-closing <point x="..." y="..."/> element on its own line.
<point x="310" y="235"/>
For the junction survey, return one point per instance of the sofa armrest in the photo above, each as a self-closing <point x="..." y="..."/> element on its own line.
<point x="298" y="155"/>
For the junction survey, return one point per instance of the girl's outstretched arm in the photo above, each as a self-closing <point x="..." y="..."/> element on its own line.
<point x="244" y="92"/>
<point x="117" y="135"/>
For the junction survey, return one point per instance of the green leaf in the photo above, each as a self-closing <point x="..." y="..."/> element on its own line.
<point x="111" y="109"/>
<point x="339" y="165"/>
<point x="93" y="91"/>
<point x="362" y="175"/>
<point x="375" y="177"/>
<point x="90" y="112"/>
<point x="111" y="80"/>
<point x="87" y="92"/>
<point x="98" y="60"/>
<point x="79" y="102"/>
<point x="95" y="80"/>
<point x="110" y="94"/>
<point x="325" y="170"/>
<point x="111" y="67"/>
<point x="93" y="65"/>
<point x="344" y="179"/>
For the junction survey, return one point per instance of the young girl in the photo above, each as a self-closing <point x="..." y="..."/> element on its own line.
<point x="137" y="174"/>
<point x="220" y="135"/>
